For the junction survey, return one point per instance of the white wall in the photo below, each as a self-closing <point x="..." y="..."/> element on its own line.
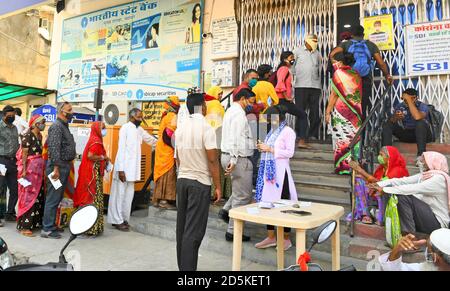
<point x="214" y="9"/>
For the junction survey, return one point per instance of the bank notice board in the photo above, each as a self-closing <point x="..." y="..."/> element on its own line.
<point x="428" y="48"/>
<point x="146" y="50"/>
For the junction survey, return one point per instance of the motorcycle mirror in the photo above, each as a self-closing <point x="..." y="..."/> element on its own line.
<point x="323" y="233"/>
<point x="83" y="220"/>
<point x="3" y="246"/>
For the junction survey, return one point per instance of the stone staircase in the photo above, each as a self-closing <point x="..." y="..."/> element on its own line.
<point x="313" y="172"/>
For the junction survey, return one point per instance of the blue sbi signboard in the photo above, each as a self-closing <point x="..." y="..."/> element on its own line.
<point x="17" y="5"/>
<point x="49" y="112"/>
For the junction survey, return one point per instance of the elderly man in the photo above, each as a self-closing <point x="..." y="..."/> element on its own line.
<point x="308" y="85"/>
<point x="127" y="169"/>
<point x="437" y="253"/>
<point x="9" y="144"/>
<point x="61" y="153"/>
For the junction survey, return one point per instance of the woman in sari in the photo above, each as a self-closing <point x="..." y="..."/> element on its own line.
<point x="30" y="166"/>
<point x="392" y="165"/>
<point x="275" y="181"/>
<point x="165" y="175"/>
<point x="89" y="188"/>
<point x="344" y="111"/>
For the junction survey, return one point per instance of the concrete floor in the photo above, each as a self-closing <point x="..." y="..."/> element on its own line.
<point x="114" y="251"/>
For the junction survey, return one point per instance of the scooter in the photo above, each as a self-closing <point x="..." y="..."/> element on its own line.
<point x="81" y="222"/>
<point x="319" y="236"/>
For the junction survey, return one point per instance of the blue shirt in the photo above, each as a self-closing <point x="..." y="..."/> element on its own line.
<point x="409" y="122"/>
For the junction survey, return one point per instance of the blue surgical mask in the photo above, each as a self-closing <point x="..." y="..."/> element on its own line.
<point x="253" y="83"/>
<point x="104" y="132"/>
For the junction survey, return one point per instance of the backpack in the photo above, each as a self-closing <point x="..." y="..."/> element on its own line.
<point x="436" y="119"/>
<point x="274" y="79"/>
<point x="363" y="57"/>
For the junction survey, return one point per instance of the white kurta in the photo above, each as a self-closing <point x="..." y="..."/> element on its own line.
<point x="128" y="160"/>
<point x="128" y="157"/>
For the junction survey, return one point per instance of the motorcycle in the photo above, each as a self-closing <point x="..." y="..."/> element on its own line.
<point x="319" y="236"/>
<point x="81" y="222"/>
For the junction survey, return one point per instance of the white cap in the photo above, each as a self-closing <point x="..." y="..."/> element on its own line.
<point x="440" y="239"/>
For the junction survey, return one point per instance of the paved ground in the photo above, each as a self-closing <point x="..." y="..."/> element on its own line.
<point x="115" y="251"/>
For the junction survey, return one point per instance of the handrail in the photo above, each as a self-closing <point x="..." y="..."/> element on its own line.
<point x="360" y="138"/>
<point x="228" y="97"/>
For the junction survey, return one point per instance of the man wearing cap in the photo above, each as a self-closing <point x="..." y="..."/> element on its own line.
<point x="437" y="254"/>
<point x="308" y="85"/>
<point x="9" y="145"/>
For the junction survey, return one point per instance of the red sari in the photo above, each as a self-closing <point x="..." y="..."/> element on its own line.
<point x="86" y="185"/>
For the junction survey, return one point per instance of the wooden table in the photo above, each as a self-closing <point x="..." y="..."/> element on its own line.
<point x="321" y="213"/>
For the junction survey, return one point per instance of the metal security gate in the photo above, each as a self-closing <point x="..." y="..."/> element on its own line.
<point x="269" y="27"/>
<point x="432" y="89"/>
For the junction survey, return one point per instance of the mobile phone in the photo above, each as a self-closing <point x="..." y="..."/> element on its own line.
<point x="297" y="212"/>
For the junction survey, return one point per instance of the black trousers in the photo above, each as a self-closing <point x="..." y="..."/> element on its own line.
<point x="309" y="99"/>
<point x="366" y="104"/>
<point x="10" y="180"/>
<point x="421" y="135"/>
<point x="285" y="194"/>
<point x="193" y="200"/>
<point x="302" y="118"/>
<point x="416" y="216"/>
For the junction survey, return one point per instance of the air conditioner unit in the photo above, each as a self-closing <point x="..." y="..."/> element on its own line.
<point x="116" y="112"/>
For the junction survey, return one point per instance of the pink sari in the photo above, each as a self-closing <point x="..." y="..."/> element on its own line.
<point x="35" y="175"/>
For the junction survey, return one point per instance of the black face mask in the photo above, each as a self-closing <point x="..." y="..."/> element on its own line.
<point x="9" y="120"/>
<point x="69" y="116"/>
<point x="137" y="123"/>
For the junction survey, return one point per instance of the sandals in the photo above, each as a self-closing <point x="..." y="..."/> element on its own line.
<point x="367" y="220"/>
<point x="304" y="146"/>
<point x="27" y="233"/>
<point x="166" y="205"/>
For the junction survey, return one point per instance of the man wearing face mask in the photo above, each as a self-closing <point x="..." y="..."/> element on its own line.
<point x="238" y="145"/>
<point x="61" y="154"/>
<point x="308" y="85"/>
<point x="249" y="82"/>
<point x="409" y="123"/>
<point x="127" y="169"/>
<point x="9" y="144"/>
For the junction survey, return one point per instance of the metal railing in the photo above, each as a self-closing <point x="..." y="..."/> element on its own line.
<point x="369" y="139"/>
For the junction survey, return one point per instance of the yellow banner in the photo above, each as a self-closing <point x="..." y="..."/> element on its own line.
<point x="380" y="30"/>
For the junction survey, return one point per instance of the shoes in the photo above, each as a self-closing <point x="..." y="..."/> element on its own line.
<point x="50" y="234"/>
<point x="267" y="243"/>
<point x="223" y="214"/>
<point x="122" y="227"/>
<point x="287" y="244"/>
<point x="230" y="237"/>
<point x="10" y="218"/>
<point x="1" y="223"/>
<point x="59" y="229"/>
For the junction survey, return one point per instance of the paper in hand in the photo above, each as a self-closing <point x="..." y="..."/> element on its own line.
<point x="2" y="170"/>
<point x="24" y="182"/>
<point x="56" y="183"/>
<point x="109" y="167"/>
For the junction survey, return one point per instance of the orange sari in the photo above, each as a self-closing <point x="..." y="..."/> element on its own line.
<point x="164" y="154"/>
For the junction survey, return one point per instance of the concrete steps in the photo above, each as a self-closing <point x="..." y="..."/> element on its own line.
<point x="162" y="224"/>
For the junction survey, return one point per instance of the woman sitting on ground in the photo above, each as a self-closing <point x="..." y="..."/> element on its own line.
<point x="423" y="199"/>
<point x="392" y="165"/>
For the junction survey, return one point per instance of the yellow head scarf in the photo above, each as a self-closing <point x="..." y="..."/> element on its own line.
<point x="215" y="91"/>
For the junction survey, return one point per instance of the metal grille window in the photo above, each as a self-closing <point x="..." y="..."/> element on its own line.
<point x="269" y="27"/>
<point x="432" y="89"/>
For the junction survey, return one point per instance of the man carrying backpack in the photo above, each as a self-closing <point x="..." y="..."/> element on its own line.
<point x="364" y="52"/>
<point x="410" y="123"/>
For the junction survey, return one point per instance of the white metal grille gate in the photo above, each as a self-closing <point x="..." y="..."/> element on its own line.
<point x="269" y="27"/>
<point x="433" y="89"/>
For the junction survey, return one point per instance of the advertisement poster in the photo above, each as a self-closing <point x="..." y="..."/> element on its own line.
<point x="380" y="30"/>
<point x="146" y="51"/>
<point x="428" y="49"/>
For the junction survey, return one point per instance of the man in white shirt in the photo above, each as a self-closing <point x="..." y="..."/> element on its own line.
<point x="20" y="123"/>
<point x="437" y="254"/>
<point x="237" y="149"/>
<point x="308" y="84"/>
<point x="196" y="151"/>
<point x="127" y="169"/>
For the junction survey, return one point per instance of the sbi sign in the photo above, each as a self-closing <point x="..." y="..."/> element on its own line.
<point x="431" y="67"/>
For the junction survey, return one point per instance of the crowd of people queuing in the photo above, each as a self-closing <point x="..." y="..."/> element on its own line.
<point x="205" y="151"/>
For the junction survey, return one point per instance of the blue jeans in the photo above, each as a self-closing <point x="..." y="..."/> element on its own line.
<point x="54" y="197"/>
